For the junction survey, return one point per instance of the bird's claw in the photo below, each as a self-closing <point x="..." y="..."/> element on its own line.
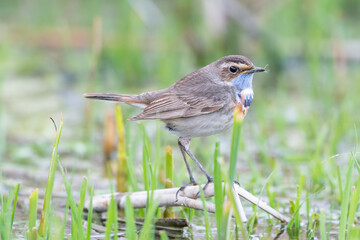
<point x="192" y="182"/>
<point x="210" y="180"/>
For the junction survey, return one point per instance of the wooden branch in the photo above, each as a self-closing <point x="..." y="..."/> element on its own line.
<point x="187" y="197"/>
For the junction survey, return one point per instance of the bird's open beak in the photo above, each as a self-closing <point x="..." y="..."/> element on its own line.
<point x="256" y="69"/>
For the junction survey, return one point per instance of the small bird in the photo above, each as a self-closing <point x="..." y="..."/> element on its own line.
<point x="200" y="104"/>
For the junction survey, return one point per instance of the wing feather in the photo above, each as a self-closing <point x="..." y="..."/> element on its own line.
<point x="181" y="101"/>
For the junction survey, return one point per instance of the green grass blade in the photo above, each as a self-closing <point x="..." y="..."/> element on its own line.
<point x="121" y="172"/>
<point x="235" y="140"/>
<point x="146" y="232"/>
<point x="145" y="162"/>
<point x="63" y="227"/>
<point x="230" y="195"/>
<point x="82" y="195"/>
<point x="307" y="207"/>
<point x="206" y="216"/>
<point x="130" y="162"/>
<point x="111" y="222"/>
<point x="169" y="178"/>
<point x="89" y="219"/>
<point x="345" y="200"/>
<point x="75" y="216"/>
<point x="5" y="231"/>
<point x="32" y="230"/>
<point x="16" y="193"/>
<point x="295" y="217"/>
<point x="157" y="155"/>
<point x="169" y="168"/>
<point x="33" y="210"/>
<point x="163" y="235"/>
<point x="218" y="192"/>
<point x="228" y="220"/>
<point x="323" y="235"/>
<point x="50" y="183"/>
<point x="130" y="220"/>
<point x="354" y="203"/>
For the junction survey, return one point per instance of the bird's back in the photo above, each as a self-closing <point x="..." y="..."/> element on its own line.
<point x="194" y="95"/>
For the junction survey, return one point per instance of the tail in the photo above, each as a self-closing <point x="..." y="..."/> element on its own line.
<point x="129" y="99"/>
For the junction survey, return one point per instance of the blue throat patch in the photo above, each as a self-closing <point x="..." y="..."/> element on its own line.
<point x="243" y="81"/>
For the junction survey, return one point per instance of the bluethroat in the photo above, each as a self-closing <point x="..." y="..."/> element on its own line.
<point x="200" y="104"/>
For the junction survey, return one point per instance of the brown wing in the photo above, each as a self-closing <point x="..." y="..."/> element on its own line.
<point x="192" y="102"/>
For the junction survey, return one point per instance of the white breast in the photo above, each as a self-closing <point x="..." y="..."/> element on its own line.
<point x="203" y="125"/>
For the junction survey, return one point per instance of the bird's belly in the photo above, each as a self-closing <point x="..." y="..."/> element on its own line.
<point x="202" y="125"/>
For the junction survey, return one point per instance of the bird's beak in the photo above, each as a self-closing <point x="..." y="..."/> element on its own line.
<point x="256" y="69"/>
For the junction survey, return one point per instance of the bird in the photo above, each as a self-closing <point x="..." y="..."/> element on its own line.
<point x="198" y="105"/>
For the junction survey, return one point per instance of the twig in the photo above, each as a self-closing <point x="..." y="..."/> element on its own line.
<point x="187" y="198"/>
<point x="254" y="200"/>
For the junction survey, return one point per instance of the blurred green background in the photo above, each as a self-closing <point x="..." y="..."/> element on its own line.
<point x="302" y="123"/>
<point x="306" y="108"/>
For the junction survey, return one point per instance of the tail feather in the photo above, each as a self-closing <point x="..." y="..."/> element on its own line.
<point x="129" y="99"/>
<point x="106" y="96"/>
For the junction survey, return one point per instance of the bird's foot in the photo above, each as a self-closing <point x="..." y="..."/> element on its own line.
<point x="237" y="183"/>
<point x="192" y="182"/>
<point x="210" y="180"/>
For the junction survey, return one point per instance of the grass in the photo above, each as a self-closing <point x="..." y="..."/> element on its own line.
<point x="111" y="220"/>
<point x="7" y="212"/>
<point x="219" y="193"/>
<point x="146" y="231"/>
<point x="169" y="178"/>
<point x="146" y="163"/>
<point x="45" y="213"/>
<point x="130" y="220"/>
<point x="345" y="200"/>
<point x="323" y="233"/>
<point x="89" y="219"/>
<point x="293" y="226"/>
<point x="354" y="204"/>
<point x="225" y="208"/>
<point x="235" y="141"/>
<point x="32" y="231"/>
<point x="208" y="233"/>
<point x="121" y="173"/>
<point x="303" y="113"/>
<point x="46" y="227"/>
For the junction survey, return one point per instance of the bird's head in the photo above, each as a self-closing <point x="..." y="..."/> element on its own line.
<point x="237" y="70"/>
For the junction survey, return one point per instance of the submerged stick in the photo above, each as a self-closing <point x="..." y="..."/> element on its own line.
<point x="187" y="197"/>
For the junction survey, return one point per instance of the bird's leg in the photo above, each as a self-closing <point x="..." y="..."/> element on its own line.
<point x="186" y="142"/>
<point x="192" y="180"/>
<point x="209" y="178"/>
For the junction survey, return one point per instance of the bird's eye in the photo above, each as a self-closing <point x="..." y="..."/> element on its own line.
<point x="233" y="69"/>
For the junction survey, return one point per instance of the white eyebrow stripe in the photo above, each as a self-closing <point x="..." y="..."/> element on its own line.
<point x="225" y="65"/>
<point x="243" y="66"/>
<point x="238" y="65"/>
